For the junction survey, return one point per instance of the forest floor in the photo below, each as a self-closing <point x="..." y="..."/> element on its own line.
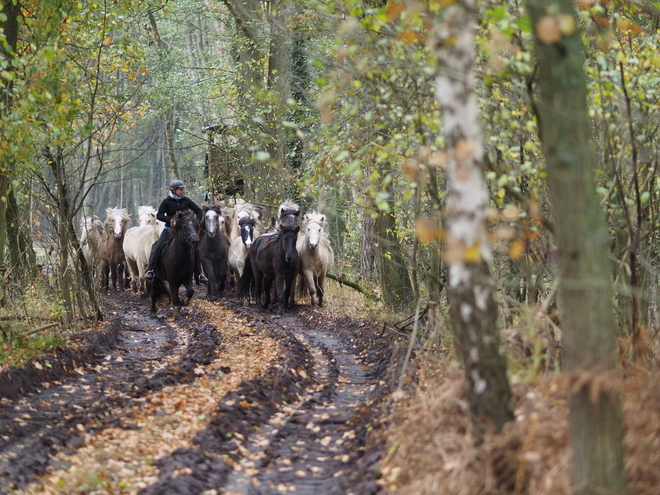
<point x="228" y="401"/>
<point x="224" y="400"/>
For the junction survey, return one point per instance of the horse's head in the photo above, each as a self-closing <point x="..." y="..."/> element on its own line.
<point x="213" y="220"/>
<point x="117" y="221"/>
<point x="314" y="223"/>
<point x="184" y="224"/>
<point x="146" y="215"/>
<point x="246" y="226"/>
<point x="289" y="234"/>
<point x="288" y="208"/>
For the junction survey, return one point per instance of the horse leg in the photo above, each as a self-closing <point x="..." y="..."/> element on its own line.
<point x="281" y="285"/>
<point x="105" y="268"/>
<point x="128" y="278"/>
<point x="176" y="300"/>
<point x="211" y="292"/>
<point x="155" y="291"/>
<point x="133" y="270"/>
<point x="189" y="293"/>
<point x="221" y="277"/>
<point x="258" y="287"/>
<point x="267" y="286"/>
<point x="311" y="286"/>
<point x="319" y="287"/>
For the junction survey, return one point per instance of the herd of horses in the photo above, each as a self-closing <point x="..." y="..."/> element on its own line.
<point x="231" y="244"/>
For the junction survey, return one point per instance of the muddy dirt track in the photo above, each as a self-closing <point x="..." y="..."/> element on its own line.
<point x="300" y="424"/>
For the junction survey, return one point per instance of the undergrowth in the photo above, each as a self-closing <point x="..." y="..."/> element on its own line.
<point x="30" y="318"/>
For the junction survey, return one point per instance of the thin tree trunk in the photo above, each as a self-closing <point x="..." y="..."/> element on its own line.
<point x="471" y="289"/>
<point x="585" y="293"/>
<point x="11" y="12"/>
<point x="395" y="283"/>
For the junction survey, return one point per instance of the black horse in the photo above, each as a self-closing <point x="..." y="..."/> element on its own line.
<point x="214" y="250"/>
<point x="177" y="262"/>
<point x="273" y="257"/>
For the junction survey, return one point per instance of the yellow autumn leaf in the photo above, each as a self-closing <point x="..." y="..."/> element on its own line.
<point x="107" y="40"/>
<point x="411" y="169"/>
<point x="473" y="254"/>
<point x="427" y="230"/>
<point x="517" y="249"/>
<point x="547" y="30"/>
<point x="409" y="36"/>
<point x="393" y="9"/>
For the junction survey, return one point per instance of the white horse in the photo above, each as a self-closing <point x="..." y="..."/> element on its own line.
<point x="91" y="235"/>
<point x="137" y="245"/>
<point x="316" y="257"/>
<point x="111" y="251"/>
<point x="240" y="247"/>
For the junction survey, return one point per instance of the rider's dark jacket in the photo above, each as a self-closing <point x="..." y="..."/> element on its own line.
<point x="170" y="206"/>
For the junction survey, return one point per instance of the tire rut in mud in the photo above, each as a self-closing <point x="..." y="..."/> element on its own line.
<point x="45" y="406"/>
<point x="301" y="426"/>
<point x="308" y="448"/>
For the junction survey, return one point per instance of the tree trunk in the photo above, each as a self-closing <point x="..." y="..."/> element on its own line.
<point x="11" y="11"/>
<point x="585" y="293"/>
<point x="395" y="283"/>
<point x="170" y="137"/>
<point x="471" y="289"/>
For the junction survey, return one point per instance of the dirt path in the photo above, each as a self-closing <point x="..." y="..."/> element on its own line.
<point x="226" y="401"/>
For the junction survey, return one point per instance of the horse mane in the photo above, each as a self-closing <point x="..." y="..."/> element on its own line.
<point x="123" y="212"/>
<point x="314" y="217"/>
<point x="146" y="210"/>
<point x="288" y="208"/>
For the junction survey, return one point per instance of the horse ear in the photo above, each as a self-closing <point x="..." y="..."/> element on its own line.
<point x="323" y="218"/>
<point x="174" y="221"/>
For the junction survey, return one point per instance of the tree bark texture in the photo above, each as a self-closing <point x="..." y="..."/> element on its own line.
<point x="395" y="283"/>
<point x="585" y="293"/>
<point x="470" y="285"/>
<point x="12" y="11"/>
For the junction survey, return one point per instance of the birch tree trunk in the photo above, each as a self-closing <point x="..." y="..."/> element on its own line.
<point x="470" y="289"/>
<point x="585" y="293"/>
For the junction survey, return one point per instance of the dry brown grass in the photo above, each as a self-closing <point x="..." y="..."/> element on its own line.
<point x="431" y="449"/>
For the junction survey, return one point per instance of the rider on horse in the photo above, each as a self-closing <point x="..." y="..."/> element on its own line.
<point x="176" y="201"/>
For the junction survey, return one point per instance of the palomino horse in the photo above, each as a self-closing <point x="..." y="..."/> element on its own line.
<point x="272" y="258"/>
<point x="236" y="214"/>
<point x="176" y="263"/>
<point x="316" y="257"/>
<point x="91" y="235"/>
<point x="214" y="249"/>
<point x="138" y="242"/>
<point x="240" y="247"/>
<point x="111" y="250"/>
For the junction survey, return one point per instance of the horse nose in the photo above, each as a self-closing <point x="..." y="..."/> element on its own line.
<point x="195" y="239"/>
<point x="312" y="245"/>
<point x="248" y="243"/>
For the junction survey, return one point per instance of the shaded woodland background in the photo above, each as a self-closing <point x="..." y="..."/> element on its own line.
<point x="331" y="104"/>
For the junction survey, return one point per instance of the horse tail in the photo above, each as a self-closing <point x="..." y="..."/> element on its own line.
<point x="245" y="285"/>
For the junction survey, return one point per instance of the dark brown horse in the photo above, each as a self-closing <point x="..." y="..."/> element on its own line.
<point x="214" y="249"/>
<point x="272" y="258"/>
<point x="177" y="262"/>
<point x="111" y="250"/>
